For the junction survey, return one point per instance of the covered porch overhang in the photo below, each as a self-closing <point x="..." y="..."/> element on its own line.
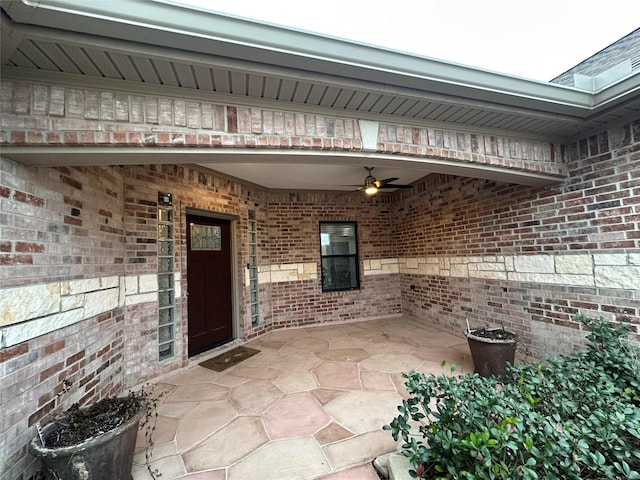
<point x="276" y="169"/>
<point x="168" y="50"/>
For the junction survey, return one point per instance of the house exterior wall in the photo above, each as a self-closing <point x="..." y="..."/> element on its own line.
<point x="529" y="257"/>
<point x="62" y="296"/>
<point x="79" y="290"/>
<point x="78" y="285"/>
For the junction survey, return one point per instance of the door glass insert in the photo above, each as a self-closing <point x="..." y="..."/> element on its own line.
<point x="206" y="237"/>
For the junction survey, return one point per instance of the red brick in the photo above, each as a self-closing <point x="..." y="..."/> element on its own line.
<point x="52" y="370"/>
<point x="72" y="220"/>
<point x="120" y="138"/>
<point x="28" y="198"/>
<point x="29" y="247"/>
<point x="16" y="260"/>
<point x="86" y="379"/>
<point x="12" y="352"/>
<point x="54" y="347"/>
<point x="75" y="357"/>
<point x="103" y="350"/>
<point x="74" y="202"/>
<point x="18" y="137"/>
<point x="53" y="138"/>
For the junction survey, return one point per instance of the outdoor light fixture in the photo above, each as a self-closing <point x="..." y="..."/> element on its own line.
<point x="370" y="187"/>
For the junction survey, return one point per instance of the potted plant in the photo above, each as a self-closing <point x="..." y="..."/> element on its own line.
<point x="575" y="417"/>
<point x="96" y="442"/>
<point x="491" y="349"/>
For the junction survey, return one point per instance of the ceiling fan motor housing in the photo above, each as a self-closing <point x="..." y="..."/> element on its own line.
<point x="370" y="181"/>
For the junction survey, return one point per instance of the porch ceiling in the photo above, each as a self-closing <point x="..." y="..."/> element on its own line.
<point x="276" y="169"/>
<point x="156" y="46"/>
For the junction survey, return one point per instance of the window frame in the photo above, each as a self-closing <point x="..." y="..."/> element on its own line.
<point x="354" y="256"/>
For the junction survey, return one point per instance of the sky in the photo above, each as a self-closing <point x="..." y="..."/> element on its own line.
<point x="535" y="39"/>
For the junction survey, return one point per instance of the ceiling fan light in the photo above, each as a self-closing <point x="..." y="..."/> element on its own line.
<point x="371" y="190"/>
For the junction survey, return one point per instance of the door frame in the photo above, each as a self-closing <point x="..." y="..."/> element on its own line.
<point x="235" y="307"/>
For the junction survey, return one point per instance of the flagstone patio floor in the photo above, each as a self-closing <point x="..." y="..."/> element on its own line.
<point x="309" y="406"/>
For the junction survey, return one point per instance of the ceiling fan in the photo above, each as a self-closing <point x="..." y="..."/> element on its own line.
<point x="372" y="185"/>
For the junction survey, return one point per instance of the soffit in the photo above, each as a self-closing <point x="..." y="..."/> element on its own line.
<point x="156" y="45"/>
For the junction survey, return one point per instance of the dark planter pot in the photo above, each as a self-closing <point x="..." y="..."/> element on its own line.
<point x="490" y="356"/>
<point x="105" y="457"/>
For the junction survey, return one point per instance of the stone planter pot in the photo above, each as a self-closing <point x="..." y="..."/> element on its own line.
<point x="108" y="456"/>
<point x="491" y="355"/>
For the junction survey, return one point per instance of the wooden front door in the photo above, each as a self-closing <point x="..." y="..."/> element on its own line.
<point x="209" y="279"/>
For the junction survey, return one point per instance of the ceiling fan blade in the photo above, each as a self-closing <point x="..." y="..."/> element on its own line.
<point x="379" y="183"/>
<point x="393" y="185"/>
<point x="361" y="189"/>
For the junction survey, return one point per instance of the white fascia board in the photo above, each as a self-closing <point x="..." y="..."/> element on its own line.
<point x="176" y="26"/>
<point x="618" y="92"/>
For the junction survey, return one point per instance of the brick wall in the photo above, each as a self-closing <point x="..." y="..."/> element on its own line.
<point x="59" y="223"/>
<point x="36" y="114"/>
<point x="294" y="233"/>
<point x="43" y="376"/>
<point x="529" y="257"/>
<point x="468" y="147"/>
<point x="61" y="299"/>
<point x="59" y="226"/>
<point x="294" y="236"/>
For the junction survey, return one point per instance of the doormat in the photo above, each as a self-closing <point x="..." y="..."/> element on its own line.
<point x="229" y="359"/>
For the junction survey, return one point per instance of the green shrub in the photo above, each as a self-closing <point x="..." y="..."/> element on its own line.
<point x="573" y="417"/>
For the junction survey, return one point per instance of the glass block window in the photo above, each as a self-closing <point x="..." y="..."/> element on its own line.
<point x="339" y="256"/>
<point x="206" y="237"/>
<point x="253" y="270"/>
<point x="166" y="286"/>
